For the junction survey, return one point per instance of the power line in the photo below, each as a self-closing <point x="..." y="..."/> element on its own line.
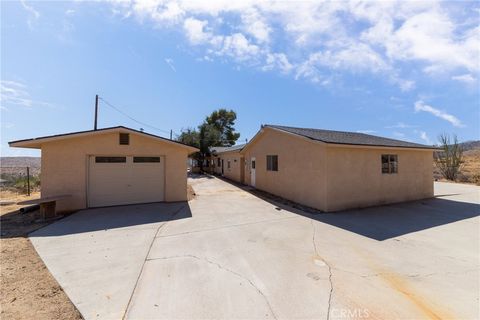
<point x="170" y="132"/>
<point x="132" y="118"/>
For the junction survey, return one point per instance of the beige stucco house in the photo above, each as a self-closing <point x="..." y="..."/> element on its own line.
<point x="228" y="162"/>
<point x="111" y="166"/>
<point x="332" y="170"/>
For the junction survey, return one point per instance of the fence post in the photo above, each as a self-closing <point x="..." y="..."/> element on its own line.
<point x="28" y="181"/>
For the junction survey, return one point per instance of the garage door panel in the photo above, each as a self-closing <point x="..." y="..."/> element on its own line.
<point x="112" y="183"/>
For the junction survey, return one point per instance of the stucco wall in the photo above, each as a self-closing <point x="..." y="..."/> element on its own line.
<point x="332" y="177"/>
<point x="355" y="177"/>
<point x="301" y="167"/>
<point x="237" y="167"/>
<point x="65" y="162"/>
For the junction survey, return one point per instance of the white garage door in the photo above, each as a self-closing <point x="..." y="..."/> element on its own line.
<point x="118" y="180"/>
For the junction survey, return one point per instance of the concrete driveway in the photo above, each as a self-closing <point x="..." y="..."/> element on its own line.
<point x="230" y="254"/>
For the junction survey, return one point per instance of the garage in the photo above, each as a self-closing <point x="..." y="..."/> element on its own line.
<point x="119" y="180"/>
<point x="109" y="167"/>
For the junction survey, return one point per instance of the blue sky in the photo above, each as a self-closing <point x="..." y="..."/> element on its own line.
<point x="406" y="70"/>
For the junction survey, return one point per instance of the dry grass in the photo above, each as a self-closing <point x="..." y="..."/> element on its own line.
<point x="27" y="289"/>
<point x="470" y="172"/>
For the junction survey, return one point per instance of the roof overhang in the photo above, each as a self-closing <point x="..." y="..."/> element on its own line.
<point x="36" y="143"/>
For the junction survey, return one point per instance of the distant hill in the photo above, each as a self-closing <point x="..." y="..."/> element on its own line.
<point x="17" y="165"/>
<point x="470" y="145"/>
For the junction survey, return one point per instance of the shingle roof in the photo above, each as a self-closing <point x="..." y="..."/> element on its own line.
<point x="237" y="147"/>
<point x="350" y="138"/>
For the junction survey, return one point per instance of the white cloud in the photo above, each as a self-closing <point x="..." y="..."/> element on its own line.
<point x="421" y="106"/>
<point x="169" y="62"/>
<point x="424" y="137"/>
<point x="13" y="93"/>
<point x="195" y="31"/>
<point x="316" y="40"/>
<point x="367" y="131"/>
<point x="33" y="14"/>
<point x="255" y="25"/>
<point x="400" y="125"/>
<point x="465" y="78"/>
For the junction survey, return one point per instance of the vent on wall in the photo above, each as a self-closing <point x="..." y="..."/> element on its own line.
<point x="124" y="138"/>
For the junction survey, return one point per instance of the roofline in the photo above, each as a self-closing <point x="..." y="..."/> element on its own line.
<point x="19" y="143"/>
<point x="350" y="144"/>
<point x="226" y="151"/>
<point x="257" y="135"/>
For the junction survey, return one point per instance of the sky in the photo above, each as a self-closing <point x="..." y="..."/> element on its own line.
<point x="407" y="70"/>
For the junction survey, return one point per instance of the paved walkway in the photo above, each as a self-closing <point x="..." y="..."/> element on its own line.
<point x="229" y="254"/>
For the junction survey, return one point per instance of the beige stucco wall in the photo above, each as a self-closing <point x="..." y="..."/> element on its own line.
<point x="65" y="163"/>
<point x="237" y="166"/>
<point x="301" y="167"/>
<point x="355" y="177"/>
<point x="332" y="177"/>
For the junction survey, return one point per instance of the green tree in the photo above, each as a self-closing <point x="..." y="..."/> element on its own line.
<point x="223" y="121"/>
<point x="217" y="130"/>
<point x="189" y="137"/>
<point x="450" y="160"/>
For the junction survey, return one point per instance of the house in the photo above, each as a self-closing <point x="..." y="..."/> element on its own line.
<point x="111" y="166"/>
<point x="333" y="170"/>
<point x="228" y="162"/>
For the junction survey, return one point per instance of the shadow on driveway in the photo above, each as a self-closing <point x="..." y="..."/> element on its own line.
<point x="106" y="218"/>
<point x="390" y="221"/>
<point x="381" y="222"/>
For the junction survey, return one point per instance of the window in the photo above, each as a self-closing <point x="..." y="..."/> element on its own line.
<point x="253" y="164"/>
<point x="272" y="163"/>
<point x="124" y="138"/>
<point x="389" y="163"/>
<point x="228" y="164"/>
<point x="146" y="159"/>
<point x="219" y="162"/>
<point x="110" y="159"/>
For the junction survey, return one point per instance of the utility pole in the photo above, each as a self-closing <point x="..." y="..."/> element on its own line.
<point x="171" y="134"/>
<point x="96" y="112"/>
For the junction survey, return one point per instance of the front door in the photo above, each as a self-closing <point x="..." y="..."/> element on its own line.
<point x="252" y="173"/>
<point x="222" y="167"/>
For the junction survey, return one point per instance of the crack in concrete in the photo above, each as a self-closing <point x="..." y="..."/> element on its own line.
<point x="146" y="258"/>
<point x="218" y="265"/>
<point x="228" y="226"/>
<point x="329" y="269"/>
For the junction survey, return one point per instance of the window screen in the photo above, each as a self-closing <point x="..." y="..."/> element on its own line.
<point x="110" y="159"/>
<point x="272" y="163"/>
<point x="389" y="163"/>
<point x="124" y="138"/>
<point x="146" y="159"/>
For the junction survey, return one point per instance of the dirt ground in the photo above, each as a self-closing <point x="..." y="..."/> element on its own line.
<point x="27" y="289"/>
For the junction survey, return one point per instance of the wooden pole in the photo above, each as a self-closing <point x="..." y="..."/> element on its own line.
<point x="28" y="181"/>
<point x="96" y="112"/>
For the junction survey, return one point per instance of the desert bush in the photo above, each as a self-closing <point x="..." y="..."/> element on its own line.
<point x="450" y="160"/>
<point x="476" y="179"/>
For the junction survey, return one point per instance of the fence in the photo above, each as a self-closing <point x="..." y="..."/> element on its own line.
<point x="20" y="179"/>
